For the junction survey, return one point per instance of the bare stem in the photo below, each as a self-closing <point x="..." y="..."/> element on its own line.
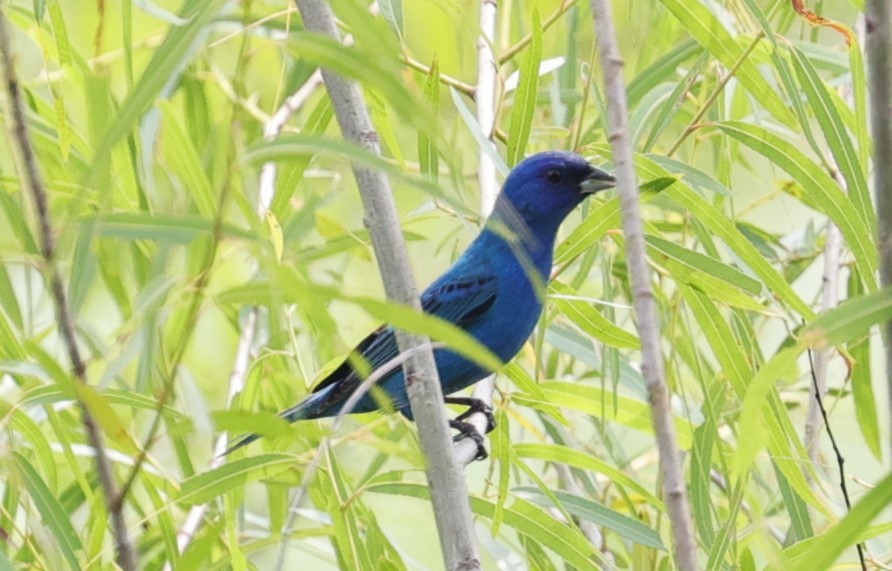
<point x="126" y="556"/>
<point x="524" y="42"/>
<point x="449" y="496"/>
<point x="487" y="72"/>
<point x="879" y="67"/>
<point x="645" y="310"/>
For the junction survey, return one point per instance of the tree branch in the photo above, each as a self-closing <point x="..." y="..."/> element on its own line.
<point x="879" y="68"/>
<point x="126" y="556"/>
<point x="449" y="495"/>
<point x="648" y="327"/>
<point x="487" y="72"/>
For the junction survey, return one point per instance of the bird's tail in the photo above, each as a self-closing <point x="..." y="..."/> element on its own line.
<point x="300" y="411"/>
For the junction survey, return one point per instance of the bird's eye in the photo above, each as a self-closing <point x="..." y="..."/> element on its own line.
<point x="554" y="176"/>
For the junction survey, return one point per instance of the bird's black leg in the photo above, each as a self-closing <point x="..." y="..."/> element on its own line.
<point x="474" y="405"/>
<point x="468" y="430"/>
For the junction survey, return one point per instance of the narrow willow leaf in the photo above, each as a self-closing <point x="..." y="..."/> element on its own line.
<point x="584" y="315"/>
<point x="802" y="549"/>
<point x="600" y="219"/>
<point x="53" y="516"/>
<point x="753" y="411"/>
<point x="628" y="411"/>
<point x="837" y="137"/>
<point x="501" y="451"/>
<point x="428" y="157"/>
<point x="859" y="99"/>
<point x="181" y="154"/>
<point x="719" y="224"/>
<point x="627" y="527"/>
<point x="392" y="10"/>
<point x="288" y="147"/>
<point x="702" y="262"/>
<point x="474" y="127"/>
<point x="695" y="177"/>
<point x="662" y="70"/>
<point x="524" y="108"/>
<point x="862" y="381"/>
<point x="851" y="320"/>
<point x="565" y="541"/>
<point x="162" y="227"/>
<point x="843" y="535"/>
<point x="583" y="461"/>
<point x="167" y="63"/>
<point x="207" y="485"/>
<point x="712" y="35"/>
<point x="727" y="534"/>
<point x="33" y="434"/>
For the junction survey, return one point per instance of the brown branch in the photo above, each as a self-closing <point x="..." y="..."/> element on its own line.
<point x="126" y="556"/>
<point x="645" y="310"/>
<point x="449" y="496"/>
<point x="879" y="67"/>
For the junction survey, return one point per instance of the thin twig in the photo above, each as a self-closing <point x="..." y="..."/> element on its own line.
<point x="879" y="66"/>
<point x="487" y="72"/>
<point x="126" y="556"/>
<point x="840" y="461"/>
<point x="694" y="123"/>
<point x="524" y="42"/>
<point x="449" y="496"/>
<point x="460" y="86"/>
<point x="645" y="310"/>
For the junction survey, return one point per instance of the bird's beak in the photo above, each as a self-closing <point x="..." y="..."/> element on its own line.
<point x="596" y="181"/>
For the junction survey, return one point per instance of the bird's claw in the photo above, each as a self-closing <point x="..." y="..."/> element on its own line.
<point x="468" y="430"/>
<point x="474" y="405"/>
<point x="484" y="409"/>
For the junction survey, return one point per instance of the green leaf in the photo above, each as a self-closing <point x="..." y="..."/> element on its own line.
<point x="392" y="10"/>
<point x="593" y="401"/>
<point x="524" y="108"/>
<point x="712" y="35"/>
<point x="52" y="514"/>
<point x="584" y="315"/>
<point x="705" y="264"/>
<point x="565" y="541"/>
<point x="205" y="486"/>
<point x="162" y="227"/>
<point x="852" y="319"/>
<point x="182" y="155"/>
<point x="862" y="380"/>
<point x="168" y="61"/>
<point x="722" y="227"/>
<point x="627" y="527"/>
<point x="837" y="137"/>
<point x="428" y="156"/>
<point x="581" y="460"/>
<point x="843" y="535"/>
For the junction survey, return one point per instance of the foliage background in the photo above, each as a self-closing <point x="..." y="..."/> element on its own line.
<point x="148" y="120"/>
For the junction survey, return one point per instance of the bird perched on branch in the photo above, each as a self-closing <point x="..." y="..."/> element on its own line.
<point x="494" y="291"/>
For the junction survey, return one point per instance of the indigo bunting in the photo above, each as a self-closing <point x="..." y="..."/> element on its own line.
<point x="494" y="291"/>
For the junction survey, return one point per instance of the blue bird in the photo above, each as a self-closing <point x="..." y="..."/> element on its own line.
<point x="494" y="291"/>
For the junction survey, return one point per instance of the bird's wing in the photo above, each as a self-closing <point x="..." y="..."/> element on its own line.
<point x="462" y="301"/>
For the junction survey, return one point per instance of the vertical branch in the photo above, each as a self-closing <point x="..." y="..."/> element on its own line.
<point x="485" y="97"/>
<point x="648" y="328"/>
<point x="126" y="556"/>
<point x="879" y="68"/>
<point x="449" y="495"/>
<point x="829" y="300"/>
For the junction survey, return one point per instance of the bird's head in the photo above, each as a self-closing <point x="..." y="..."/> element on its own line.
<point x="544" y="188"/>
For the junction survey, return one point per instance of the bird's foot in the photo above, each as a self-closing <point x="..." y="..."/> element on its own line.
<point x="468" y="430"/>
<point x="474" y="406"/>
